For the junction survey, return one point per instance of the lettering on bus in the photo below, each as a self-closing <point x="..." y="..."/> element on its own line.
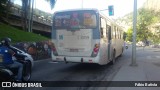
<point x="60" y="37"/>
<point x="75" y="20"/>
<point x="62" y="17"/>
<point x="62" y="20"/>
<point x="83" y="37"/>
<point x="87" y="19"/>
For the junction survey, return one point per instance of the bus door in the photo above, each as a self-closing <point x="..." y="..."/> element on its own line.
<point x="109" y="42"/>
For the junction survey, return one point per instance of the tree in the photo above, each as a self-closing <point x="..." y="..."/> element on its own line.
<point x="124" y="35"/>
<point x="24" y="13"/>
<point x="52" y="3"/>
<point x="2" y="6"/>
<point x="156" y="36"/>
<point x="27" y="14"/>
<point x="5" y="8"/>
<point x="145" y="18"/>
<point x="8" y="9"/>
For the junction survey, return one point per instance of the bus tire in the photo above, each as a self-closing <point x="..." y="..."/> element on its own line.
<point x="113" y="58"/>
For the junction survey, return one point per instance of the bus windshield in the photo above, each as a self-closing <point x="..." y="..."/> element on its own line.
<point x="75" y="20"/>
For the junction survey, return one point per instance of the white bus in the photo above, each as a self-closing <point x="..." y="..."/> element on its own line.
<point x="85" y="36"/>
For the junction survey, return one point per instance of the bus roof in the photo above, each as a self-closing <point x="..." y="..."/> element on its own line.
<point x="81" y="9"/>
<point x="93" y="9"/>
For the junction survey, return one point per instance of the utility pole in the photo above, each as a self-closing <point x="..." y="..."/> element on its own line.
<point x="133" y="63"/>
<point x="30" y="13"/>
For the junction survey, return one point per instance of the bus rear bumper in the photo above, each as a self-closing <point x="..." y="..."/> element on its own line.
<point x="75" y="59"/>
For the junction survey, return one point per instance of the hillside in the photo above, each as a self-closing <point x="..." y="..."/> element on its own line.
<point x="126" y="21"/>
<point x="18" y="35"/>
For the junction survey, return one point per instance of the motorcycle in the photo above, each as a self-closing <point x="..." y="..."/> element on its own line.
<point x="10" y="74"/>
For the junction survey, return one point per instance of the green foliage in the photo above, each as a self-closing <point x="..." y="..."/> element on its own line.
<point x="19" y="35"/>
<point x="129" y="35"/>
<point x="144" y="20"/>
<point x="155" y="39"/>
<point x="2" y="6"/>
<point x="124" y="35"/>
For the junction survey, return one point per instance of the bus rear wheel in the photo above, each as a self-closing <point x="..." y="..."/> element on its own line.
<point x="113" y="58"/>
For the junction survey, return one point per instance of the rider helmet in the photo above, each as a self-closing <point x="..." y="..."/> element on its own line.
<point x="6" y="41"/>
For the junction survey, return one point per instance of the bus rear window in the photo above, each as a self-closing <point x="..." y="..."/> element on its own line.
<point x="76" y="19"/>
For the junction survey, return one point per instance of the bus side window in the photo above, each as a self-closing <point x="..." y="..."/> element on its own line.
<point x="115" y="32"/>
<point x="106" y="31"/>
<point x="120" y="34"/>
<point x="109" y="33"/>
<point x="102" y="32"/>
<point x="103" y="28"/>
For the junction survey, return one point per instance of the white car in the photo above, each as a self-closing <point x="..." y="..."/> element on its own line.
<point x="28" y="62"/>
<point x="140" y="44"/>
<point x="28" y="56"/>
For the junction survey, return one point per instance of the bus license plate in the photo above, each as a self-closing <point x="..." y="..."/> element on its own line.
<point x="73" y="50"/>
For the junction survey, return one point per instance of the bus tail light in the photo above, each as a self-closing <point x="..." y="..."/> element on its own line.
<point x="53" y="48"/>
<point x="95" y="50"/>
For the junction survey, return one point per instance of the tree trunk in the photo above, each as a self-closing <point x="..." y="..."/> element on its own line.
<point x="31" y="24"/>
<point x="8" y="10"/>
<point x="25" y="10"/>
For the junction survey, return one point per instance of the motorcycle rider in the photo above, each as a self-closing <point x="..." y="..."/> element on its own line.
<point x="7" y="53"/>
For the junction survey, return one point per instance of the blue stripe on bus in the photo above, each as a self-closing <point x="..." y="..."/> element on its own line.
<point x="96" y="34"/>
<point x="96" y="31"/>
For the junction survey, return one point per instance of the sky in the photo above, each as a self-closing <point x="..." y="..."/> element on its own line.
<point x="121" y="7"/>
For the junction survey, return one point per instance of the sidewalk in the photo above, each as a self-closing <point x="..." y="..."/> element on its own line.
<point x="148" y="69"/>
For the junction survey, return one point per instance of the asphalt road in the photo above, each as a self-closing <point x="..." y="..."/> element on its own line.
<point x="49" y="71"/>
<point x="45" y="70"/>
